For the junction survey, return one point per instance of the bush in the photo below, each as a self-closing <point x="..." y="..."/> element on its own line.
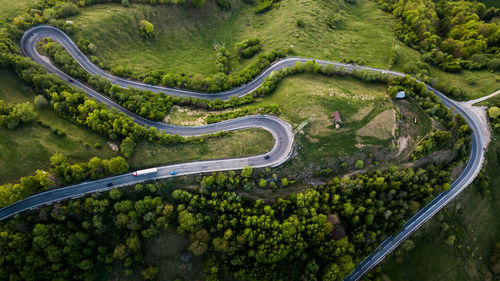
<point x="198" y="3"/>
<point x="359" y="164"/>
<point x="56" y="131"/>
<point x="333" y="21"/>
<point x="263" y="183"/>
<point x="223" y="4"/>
<point x="12" y="116"/>
<point x="263" y="6"/>
<point x="266" y="109"/>
<point x="248" y="48"/>
<point x="301" y="23"/>
<point x="62" y="10"/>
<point x="146" y="28"/>
<point x="40" y="102"/>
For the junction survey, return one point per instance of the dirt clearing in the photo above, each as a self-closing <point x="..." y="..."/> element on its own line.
<point x="381" y="126"/>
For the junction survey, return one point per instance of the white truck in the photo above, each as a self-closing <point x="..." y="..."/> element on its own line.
<point x="145" y="172"/>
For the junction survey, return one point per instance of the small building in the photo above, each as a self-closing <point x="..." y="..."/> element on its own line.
<point x="400" y="95"/>
<point x="336" y="117"/>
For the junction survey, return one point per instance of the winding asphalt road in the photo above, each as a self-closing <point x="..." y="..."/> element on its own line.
<point x="282" y="133"/>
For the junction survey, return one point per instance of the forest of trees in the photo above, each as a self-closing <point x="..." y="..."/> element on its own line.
<point x="454" y="35"/>
<point x="318" y="234"/>
<point x="60" y="173"/>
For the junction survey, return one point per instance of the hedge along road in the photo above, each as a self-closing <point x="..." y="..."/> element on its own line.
<point x="282" y="133"/>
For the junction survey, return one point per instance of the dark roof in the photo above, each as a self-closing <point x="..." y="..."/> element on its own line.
<point x="336" y="116"/>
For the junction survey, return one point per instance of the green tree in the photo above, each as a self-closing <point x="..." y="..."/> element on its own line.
<point x="450" y="240"/>
<point x="150" y="273"/>
<point x="116" y="165"/>
<point x="198" y="3"/>
<point x="494" y="112"/>
<point x="284" y="182"/>
<point x="359" y="164"/>
<point x="115" y="194"/>
<point x="40" y="101"/>
<point x="133" y="243"/>
<point x="146" y="28"/>
<point x="188" y="221"/>
<point x="200" y="241"/>
<point x="127" y="147"/>
<point x="120" y="252"/>
<point x="246" y="172"/>
<point x="262" y="183"/>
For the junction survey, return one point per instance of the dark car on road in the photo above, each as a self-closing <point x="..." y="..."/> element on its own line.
<point x="266" y="157"/>
<point x="109" y="184"/>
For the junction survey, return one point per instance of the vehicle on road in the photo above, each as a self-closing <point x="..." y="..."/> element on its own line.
<point x="152" y="171"/>
<point x="109" y="184"/>
<point x="266" y="157"/>
<point x="70" y="80"/>
<point x="173" y="173"/>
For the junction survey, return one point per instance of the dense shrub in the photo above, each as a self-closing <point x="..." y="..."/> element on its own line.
<point x="265" y="109"/>
<point x="146" y="28"/>
<point x="221" y="62"/>
<point x="263" y="6"/>
<point x="223" y="4"/>
<point x="431" y="143"/>
<point x="12" y="116"/>
<point x="248" y="48"/>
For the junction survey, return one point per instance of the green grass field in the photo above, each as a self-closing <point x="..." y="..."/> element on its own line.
<point x="185" y="37"/>
<point x="473" y="219"/>
<point x="475" y="84"/>
<point x="310" y="99"/>
<point x="239" y="144"/>
<point x="30" y="147"/>
<point x="12" y="8"/>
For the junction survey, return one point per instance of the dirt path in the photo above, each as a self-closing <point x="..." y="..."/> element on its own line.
<point x="480" y="111"/>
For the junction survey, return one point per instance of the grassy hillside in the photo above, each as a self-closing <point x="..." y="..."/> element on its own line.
<point x="29" y="147"/>
<point x="308" y="100"/>
<point x="185" y="37"/>
<point x="12" y="8"/>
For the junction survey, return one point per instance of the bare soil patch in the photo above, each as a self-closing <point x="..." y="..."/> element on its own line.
<point x="114" y="146"/>
<point x="380" y="127"/>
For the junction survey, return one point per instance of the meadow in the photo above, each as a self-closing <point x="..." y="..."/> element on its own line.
<point x="29" y="147"/>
